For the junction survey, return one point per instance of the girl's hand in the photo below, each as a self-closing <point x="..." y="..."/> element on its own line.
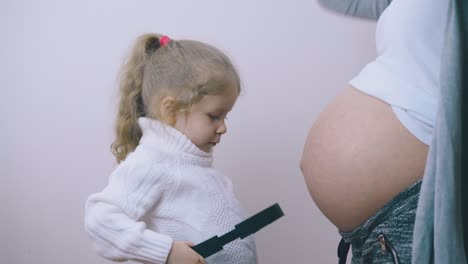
<point x="182" y="253"/>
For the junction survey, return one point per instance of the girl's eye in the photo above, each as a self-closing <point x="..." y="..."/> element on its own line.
<point x="214" y="117"/>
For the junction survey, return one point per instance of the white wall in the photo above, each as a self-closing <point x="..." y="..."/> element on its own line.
<point x="58" y="71"/>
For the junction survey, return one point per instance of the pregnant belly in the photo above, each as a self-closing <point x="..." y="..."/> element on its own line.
<point x="357" y="157"/>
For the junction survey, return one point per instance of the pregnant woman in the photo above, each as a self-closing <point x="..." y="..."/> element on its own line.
<point x="365" y="155"/>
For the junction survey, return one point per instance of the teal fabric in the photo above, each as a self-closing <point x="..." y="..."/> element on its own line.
<point x="462" y="10"/>
<point x="370" y="9"/>
<point x="441" y="226"/>
<point x="439" y="232"/>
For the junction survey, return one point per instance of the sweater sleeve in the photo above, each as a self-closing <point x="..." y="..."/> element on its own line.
<point x="370" y="9"/>
<point x="113" y="216"/>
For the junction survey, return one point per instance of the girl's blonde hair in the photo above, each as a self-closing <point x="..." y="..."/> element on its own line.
<point x="184" y="69"/>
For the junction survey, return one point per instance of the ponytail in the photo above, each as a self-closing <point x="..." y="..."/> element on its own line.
<point x="131" y="107"/>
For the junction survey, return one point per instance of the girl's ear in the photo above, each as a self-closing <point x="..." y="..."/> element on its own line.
<point x="168" y="109"/>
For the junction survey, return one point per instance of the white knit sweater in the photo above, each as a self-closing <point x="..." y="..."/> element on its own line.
<point x="165" y="190"/>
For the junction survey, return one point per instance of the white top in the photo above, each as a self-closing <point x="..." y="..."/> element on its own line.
<point x="409" y="40"/>
<point x="163" y="191"/>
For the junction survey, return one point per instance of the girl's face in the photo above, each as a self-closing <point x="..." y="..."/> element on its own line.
<point x="204" y="123"/>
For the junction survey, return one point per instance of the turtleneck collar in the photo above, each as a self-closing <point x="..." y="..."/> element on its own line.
<point x="160" y="137"/>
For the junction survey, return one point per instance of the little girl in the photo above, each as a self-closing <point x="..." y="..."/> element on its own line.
<point x="164" y="196"/>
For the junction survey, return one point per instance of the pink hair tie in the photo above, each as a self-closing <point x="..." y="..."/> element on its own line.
<point x="164" y="40"/>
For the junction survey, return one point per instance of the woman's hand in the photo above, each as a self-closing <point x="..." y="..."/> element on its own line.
<point x="182" y="253"/>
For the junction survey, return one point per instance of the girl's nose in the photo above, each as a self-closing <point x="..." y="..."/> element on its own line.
<point x="222" y="128"/>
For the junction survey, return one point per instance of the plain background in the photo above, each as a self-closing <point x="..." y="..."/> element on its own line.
<point x="59" y="61"/>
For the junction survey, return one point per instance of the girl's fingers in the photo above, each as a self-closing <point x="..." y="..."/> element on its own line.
<point x="189" y="243"/>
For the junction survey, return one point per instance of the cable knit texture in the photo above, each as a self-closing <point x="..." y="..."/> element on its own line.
<point x="165" y="190"/>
